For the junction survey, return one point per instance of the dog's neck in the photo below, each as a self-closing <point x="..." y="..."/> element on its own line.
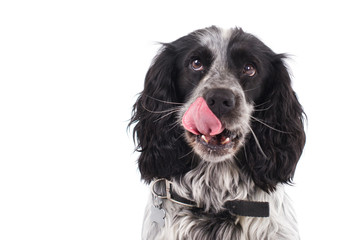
<point x="210" y="185"/>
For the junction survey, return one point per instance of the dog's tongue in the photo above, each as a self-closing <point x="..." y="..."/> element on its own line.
<point x="199" y="119"/>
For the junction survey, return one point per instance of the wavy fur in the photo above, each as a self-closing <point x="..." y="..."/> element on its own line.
<point x="268" y="121"/>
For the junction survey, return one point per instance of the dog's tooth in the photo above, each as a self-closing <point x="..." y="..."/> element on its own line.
<point x="203" y="137"/>
<point x="226" y="141"/>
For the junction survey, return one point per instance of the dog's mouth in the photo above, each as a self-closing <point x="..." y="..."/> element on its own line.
<point x="226" y="139"/>
<point x="207" y="134"/>
<point x="215" y="148"/>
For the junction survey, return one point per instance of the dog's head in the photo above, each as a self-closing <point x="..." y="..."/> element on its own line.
<point x="216" y="95"/>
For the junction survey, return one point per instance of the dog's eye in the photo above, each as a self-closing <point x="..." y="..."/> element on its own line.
<point x="196" y="65"/>
<point x="249" y="70"/>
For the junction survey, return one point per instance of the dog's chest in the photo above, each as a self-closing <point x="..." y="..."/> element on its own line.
<point x="211" y="185"/>
<point x="200" y="225"/>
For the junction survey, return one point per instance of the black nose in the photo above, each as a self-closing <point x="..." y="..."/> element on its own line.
<point x="220" y="101"/>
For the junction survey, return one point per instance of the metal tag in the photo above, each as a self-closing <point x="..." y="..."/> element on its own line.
<point x="157" y="215"/>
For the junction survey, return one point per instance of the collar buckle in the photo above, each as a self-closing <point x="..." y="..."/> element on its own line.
<point x="169" y="194"/>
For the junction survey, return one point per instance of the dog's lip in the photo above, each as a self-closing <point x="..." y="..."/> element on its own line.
<point x="225" y="139"/>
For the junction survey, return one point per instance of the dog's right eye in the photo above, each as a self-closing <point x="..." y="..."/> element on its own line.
<point x="196" y="65"/>
<point x="249" y="70"/>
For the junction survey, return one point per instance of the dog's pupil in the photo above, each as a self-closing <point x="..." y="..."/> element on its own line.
<point x="197" y="64"/>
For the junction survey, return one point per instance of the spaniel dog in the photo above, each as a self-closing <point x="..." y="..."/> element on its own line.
<point x="220" y="131"/>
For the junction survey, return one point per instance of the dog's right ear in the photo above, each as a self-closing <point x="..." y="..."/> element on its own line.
<point x="274" y="158"/>
<point x="154" y="115"/>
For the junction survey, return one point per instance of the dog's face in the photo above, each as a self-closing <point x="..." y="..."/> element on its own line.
<point x="231" y="97"/>
<point x="228" y="69"/>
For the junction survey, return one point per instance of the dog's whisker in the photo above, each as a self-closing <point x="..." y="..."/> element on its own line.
<point x="257" y="141"/>
<point x="172" y="126"/>
<point x="245" y="154"/>
<point x="191" y="82"/>
<point x="264" y="109"/>
<point x="234" y="156"/>
<point x="180" y="136"/>
<point x="163" y="101"/>
<point x="160" y="112"/>
<point x="251" y="89"/>
<point x="192" y="150"/>
<point x="261" y="104"/>
<point x="265" y="124"/>
<point x="167" y="114"/>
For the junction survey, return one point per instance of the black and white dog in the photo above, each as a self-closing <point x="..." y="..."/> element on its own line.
<point x="219" y="131"/>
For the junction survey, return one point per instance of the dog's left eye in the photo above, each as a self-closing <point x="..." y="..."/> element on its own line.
<point x="196" y="65"/>
<point x="249" y="70"/>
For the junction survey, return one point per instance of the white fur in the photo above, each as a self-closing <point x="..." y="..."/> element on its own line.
<point x="218" y="76"/>
<point x="217" y="179"/>
<point x="225" y="183"/>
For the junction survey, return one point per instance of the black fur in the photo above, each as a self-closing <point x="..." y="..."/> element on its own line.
<point x="159" y="140"/>
<point x="165" y="153"/>
<point x="282" y="145"/>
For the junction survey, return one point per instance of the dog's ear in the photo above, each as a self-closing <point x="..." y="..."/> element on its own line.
<point x="278" y="125"/>
<point x="155" y="117"/>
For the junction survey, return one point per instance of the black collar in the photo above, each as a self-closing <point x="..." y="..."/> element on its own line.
<point x="162" y="188"/>
<point x="248" y="208"/>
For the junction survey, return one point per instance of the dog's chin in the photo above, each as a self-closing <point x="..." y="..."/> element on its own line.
<point x="216" y="148"/>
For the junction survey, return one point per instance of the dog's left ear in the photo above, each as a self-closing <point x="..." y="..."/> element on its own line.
<point x="159" y="138"/>
<point x="271" y="157"/>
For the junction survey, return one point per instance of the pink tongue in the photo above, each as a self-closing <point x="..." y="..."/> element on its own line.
<point x="199" y="119"/>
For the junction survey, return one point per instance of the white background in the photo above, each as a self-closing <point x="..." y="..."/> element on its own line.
<point x="70" y="72"/>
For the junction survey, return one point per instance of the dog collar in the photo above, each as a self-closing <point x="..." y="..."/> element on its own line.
<point x="169" y="194"/>
<point x="248" y="208"/>
<point x="235" y="207"/>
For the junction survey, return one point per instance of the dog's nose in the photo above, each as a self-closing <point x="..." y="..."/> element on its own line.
<point x="220" y="101"/>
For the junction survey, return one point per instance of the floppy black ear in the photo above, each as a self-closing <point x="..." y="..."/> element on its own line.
<point x="279" y="130"/>
<point x="154" y="116"/>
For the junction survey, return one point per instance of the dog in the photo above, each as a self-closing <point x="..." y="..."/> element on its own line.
<point x="219" y="130"/>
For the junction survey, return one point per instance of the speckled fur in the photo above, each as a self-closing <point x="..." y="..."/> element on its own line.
<point x="267" y="118"/>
